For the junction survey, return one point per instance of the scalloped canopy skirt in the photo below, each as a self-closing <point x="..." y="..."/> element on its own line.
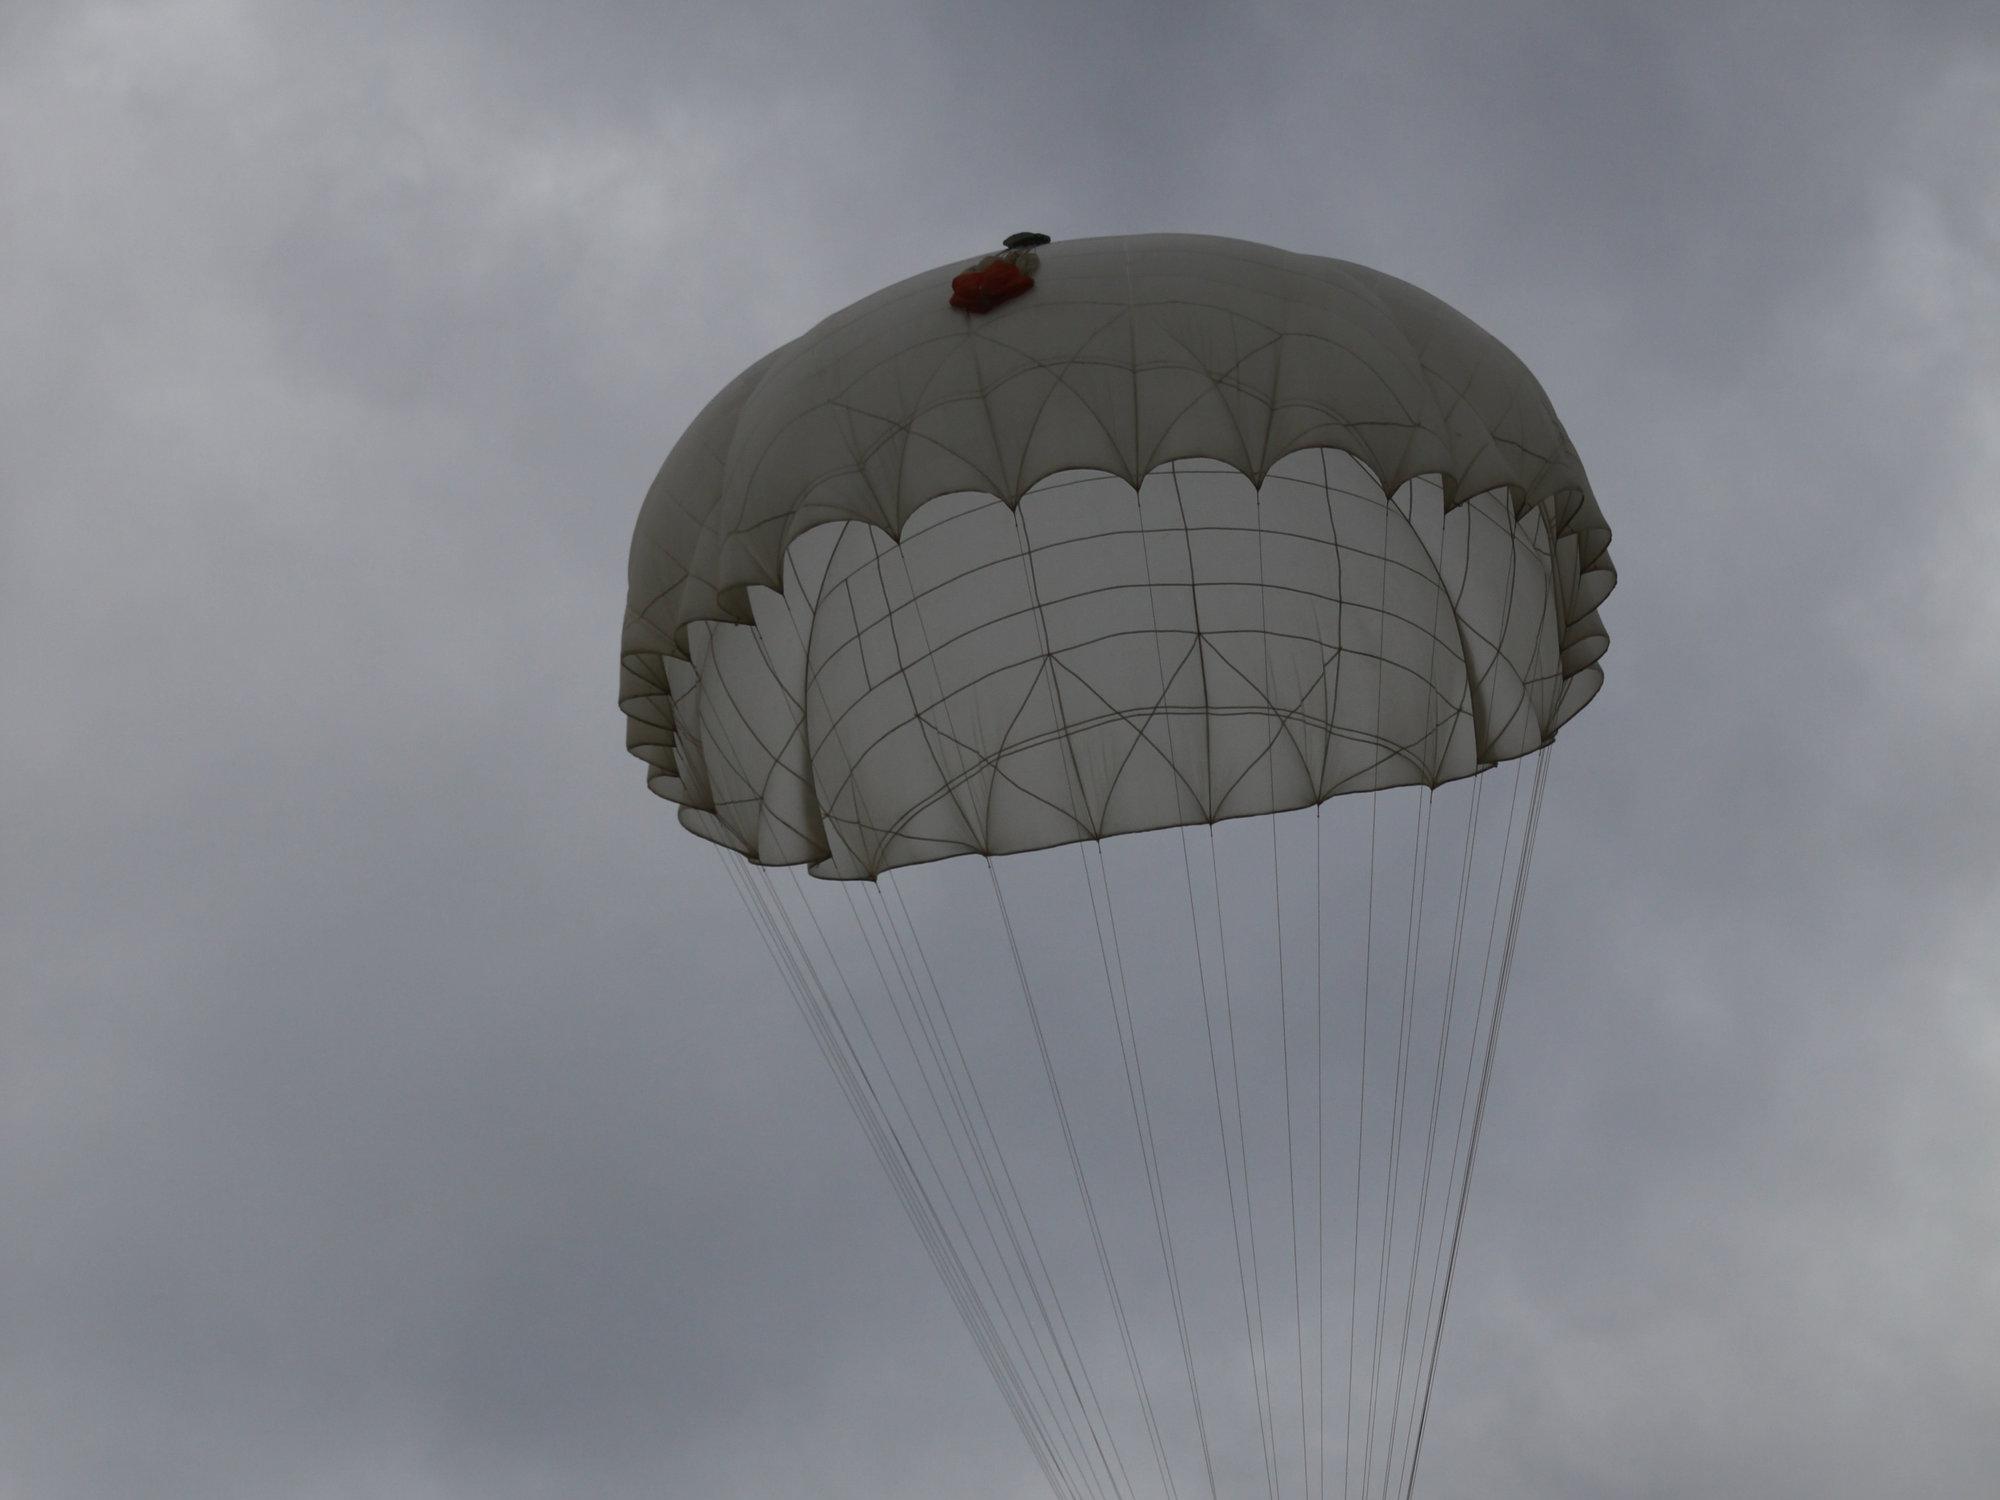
<point x="1103" y="660"/>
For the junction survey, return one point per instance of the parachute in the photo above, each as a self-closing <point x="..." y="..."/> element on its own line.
<point x="1124" y="707"/>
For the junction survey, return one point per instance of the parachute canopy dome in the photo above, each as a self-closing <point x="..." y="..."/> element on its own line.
<point x="1193" y="529"/>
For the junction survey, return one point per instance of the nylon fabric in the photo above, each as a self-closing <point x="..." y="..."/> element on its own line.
<point x="1200" y="530"/>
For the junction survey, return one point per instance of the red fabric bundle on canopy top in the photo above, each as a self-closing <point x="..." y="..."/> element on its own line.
<point x="985" y="287"/>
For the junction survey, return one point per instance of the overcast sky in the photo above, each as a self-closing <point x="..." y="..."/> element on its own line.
<point x="395" y="1105"/>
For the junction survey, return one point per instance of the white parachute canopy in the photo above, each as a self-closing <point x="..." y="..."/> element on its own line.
<point x="1177" y="530"/>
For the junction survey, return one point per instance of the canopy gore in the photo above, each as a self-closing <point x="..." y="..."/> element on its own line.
<point x="1001" y="277"/>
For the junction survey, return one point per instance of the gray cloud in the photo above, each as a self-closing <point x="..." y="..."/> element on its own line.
<point x="396" y="1103"/>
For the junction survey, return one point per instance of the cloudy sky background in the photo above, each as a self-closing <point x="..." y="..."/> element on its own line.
<point x="395" y="1105"/>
